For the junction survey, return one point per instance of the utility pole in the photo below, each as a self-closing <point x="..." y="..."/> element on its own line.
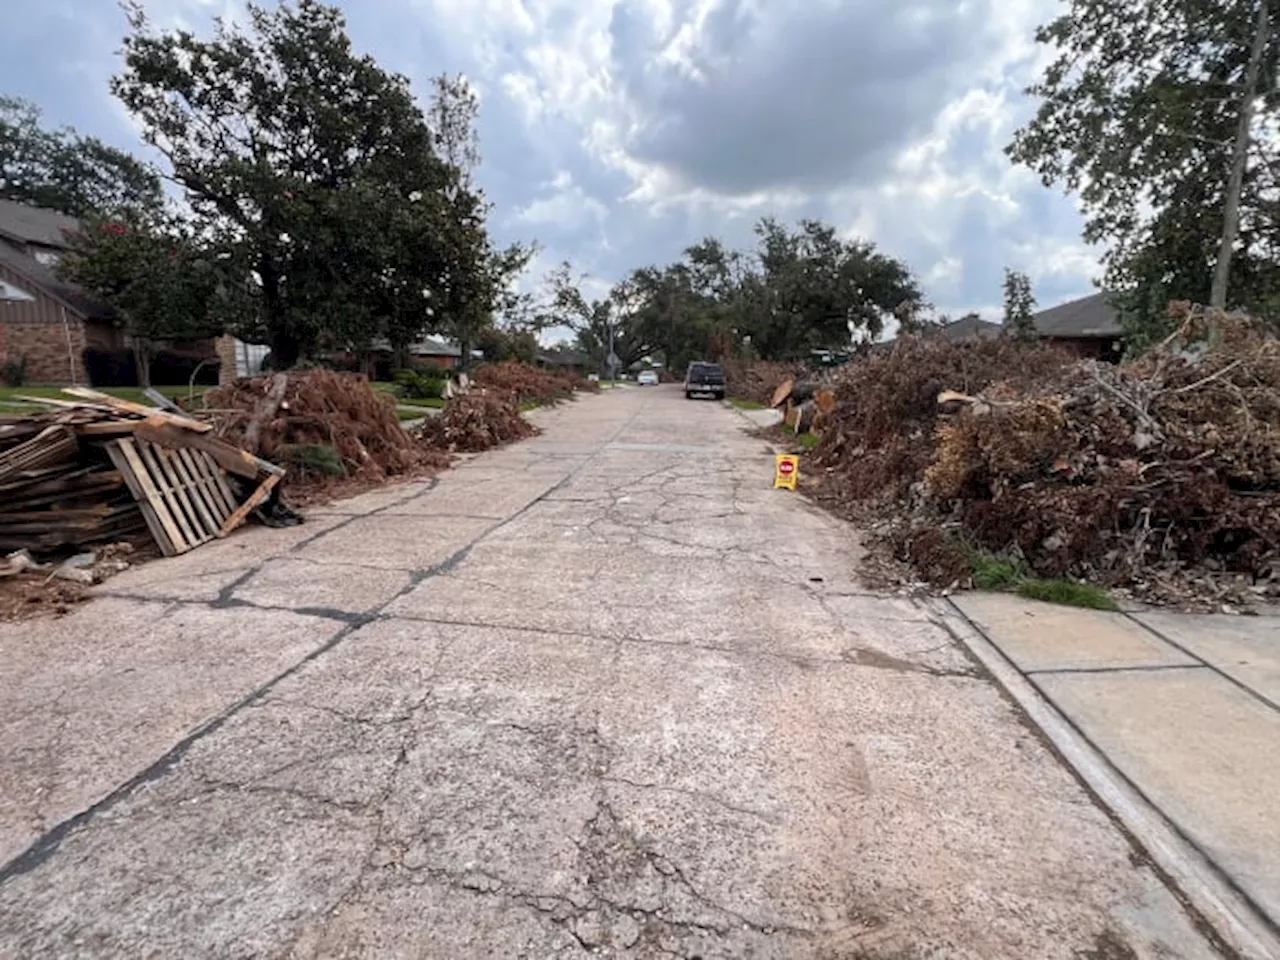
<point x="1239" y="159"/>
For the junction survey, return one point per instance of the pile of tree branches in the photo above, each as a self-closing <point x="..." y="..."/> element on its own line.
<point x="524" y="384"/>
<point x="475" y="421"/>
<point x="1161" y="477"/>
<point x="756" y="380"/>
<point x="335" y="432"/>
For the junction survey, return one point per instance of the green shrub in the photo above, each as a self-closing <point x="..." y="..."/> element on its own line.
<point x="414" y="385"/>
<point x="313" y="458"/>
<point x="14" y="372"/>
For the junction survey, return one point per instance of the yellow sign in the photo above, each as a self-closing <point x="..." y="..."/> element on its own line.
<point x="786" y="471"/>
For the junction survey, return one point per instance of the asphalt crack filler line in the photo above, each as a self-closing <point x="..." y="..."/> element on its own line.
<point x="47" y="844"/>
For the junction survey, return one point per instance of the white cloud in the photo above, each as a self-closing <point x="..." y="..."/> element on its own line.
<point x="620" y="131"/>
<point x="567" y="206"/>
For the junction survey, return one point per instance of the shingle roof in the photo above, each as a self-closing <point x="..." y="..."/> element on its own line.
<point x="564" y="358"/>
<point x="1090" y="316"/>
<point x="431" y="347"/>
<point x="966" y="328"/>
<point x="35" y="224"/>
<point x="76" y="297"/>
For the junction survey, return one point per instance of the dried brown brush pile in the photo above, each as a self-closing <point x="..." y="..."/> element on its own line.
<point x="756" y="380"/>
<point x="1160" y="477"/>
<point x="321" y="408"/>
<point x="475" y="421"/>
<point x="879" y="438"/>
<point x="1144" y="476"/>
<point x="528" y="384"/>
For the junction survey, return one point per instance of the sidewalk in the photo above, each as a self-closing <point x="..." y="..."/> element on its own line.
<point x="1185" y="709"/>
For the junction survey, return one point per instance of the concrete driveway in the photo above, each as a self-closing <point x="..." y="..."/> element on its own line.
<point x="601" y="693"/>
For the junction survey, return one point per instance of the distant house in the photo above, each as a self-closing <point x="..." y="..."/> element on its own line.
<point x="965" y="329"/>
<point x="1089" y="327"/>
<point x="431" y="352"/>
<point x="45" y="322"/>
<point x="565" y="361"/>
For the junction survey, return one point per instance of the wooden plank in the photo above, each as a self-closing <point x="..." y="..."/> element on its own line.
<point x="193" y="488"/>
<point x="185" y="423"/>
<point x="162" y="529"/>
<point x="66" y="404"/>
<point x="190" y="535"/>
<point x="192" y="485"/>
<point x="51" y="445"/>
<point x="231" y="458"/>
<point x="164" y="459"/>
<point x="208" y="474"/>
<point x="218" y="482"/>
<point x="108" y="428"/>
<point x="255" y="498"/>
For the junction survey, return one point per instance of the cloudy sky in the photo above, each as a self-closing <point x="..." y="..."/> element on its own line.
<point x="617" y="132"/>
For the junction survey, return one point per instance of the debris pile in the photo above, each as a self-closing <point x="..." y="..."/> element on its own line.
<point x="526" y="384"/>
<point x="879" y="438"/>
<point x="93" y="477"/>
<point x="475" y="421"/>
<point x="59" y="490"/>
<point x="1160" y="477"/>
<point x="335" y="431"/>
<point x="756" y="380"/>
<point x="100" y="469"/>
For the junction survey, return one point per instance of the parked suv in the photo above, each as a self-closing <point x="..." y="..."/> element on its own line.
<point x="704" y="378"/>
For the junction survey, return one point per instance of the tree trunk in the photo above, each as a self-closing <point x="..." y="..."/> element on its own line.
<point x="142" y="361"/>
<point x="263" y="411"/>
<point x="286" y="348"/>
<point x="1239" y="159"/>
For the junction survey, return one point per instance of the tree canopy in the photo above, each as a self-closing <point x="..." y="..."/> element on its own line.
<point x="165" y="284"/>
<point x="321" y="169"/>
<point x="1019" y="305"/>
<point x="1141" y="115"/>
<point x="802" y="288"/>
<point x="64" y="171"/>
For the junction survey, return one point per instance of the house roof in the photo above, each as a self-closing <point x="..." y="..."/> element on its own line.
<point x="966" y="328"/>
<point x="41" y="276"/>
<point x="563" y="358"/>
<point x="35" y="224"/>
<point x="431" y="347"/>
<point x="1088" y="317"/>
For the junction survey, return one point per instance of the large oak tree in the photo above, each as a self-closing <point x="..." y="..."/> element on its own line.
<point x="318" y="167"/>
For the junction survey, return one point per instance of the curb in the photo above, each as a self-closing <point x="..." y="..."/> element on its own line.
<point x="1232" y="917"/>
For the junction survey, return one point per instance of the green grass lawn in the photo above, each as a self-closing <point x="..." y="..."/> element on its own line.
<point x="743" y="404"/>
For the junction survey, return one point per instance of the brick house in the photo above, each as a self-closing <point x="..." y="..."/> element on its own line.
<point x="46" y="322"/>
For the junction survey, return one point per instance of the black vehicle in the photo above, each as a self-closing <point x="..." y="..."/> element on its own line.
<point x="704" y="378"/>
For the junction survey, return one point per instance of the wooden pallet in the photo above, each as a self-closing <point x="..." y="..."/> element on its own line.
<point x="184" y="494"/>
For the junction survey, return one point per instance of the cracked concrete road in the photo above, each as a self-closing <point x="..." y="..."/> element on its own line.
<point x="600" y="693"/>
